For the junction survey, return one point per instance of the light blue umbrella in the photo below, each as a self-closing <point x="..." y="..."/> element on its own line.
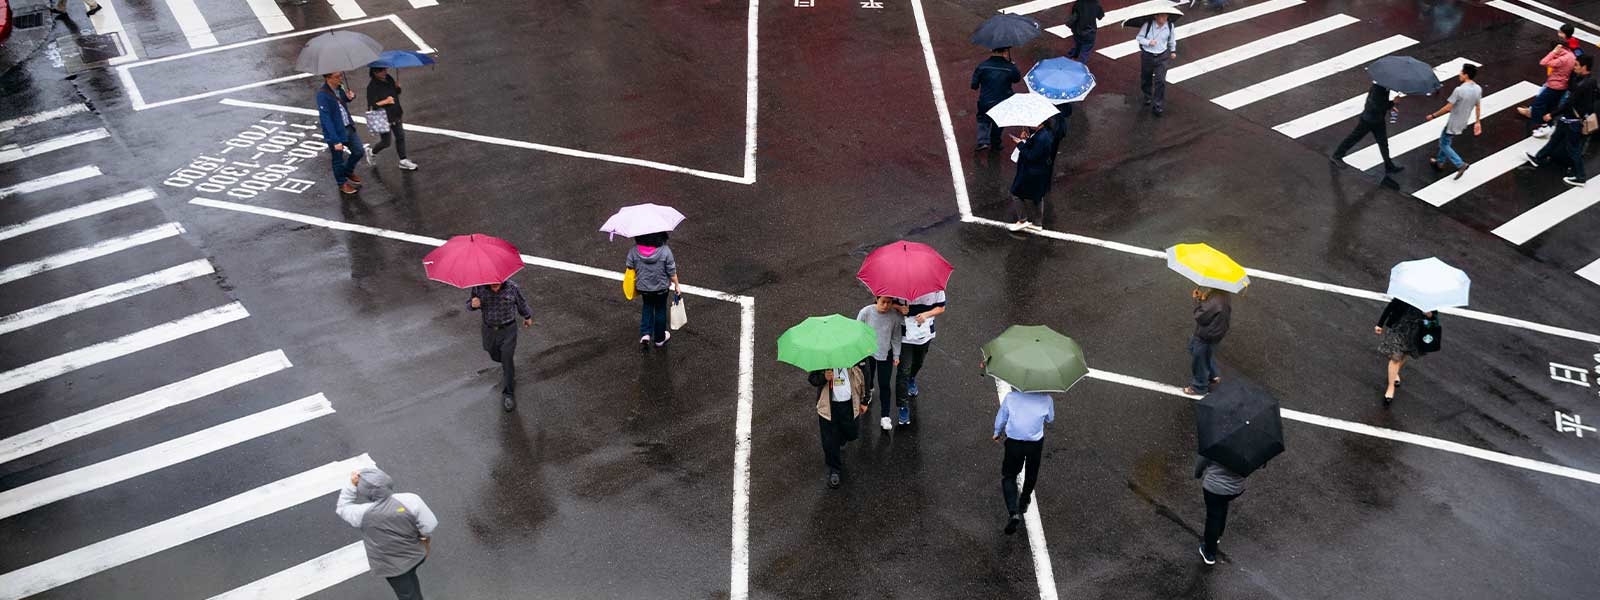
<point x="394" y="59"/>
<point x="1429" y="284"/>
<point x="1060" y="80"/>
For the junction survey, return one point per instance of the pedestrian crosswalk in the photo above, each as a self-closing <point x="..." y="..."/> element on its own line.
<point x="1501" y="93"/>
<point x="173" y="26"/>
<point x="54" y="462"/>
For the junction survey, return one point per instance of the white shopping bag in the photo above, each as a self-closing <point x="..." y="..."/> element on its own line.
<point x="676" y="317"/>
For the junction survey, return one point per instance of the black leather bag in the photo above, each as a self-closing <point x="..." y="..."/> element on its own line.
<point x="1428" y="335"/>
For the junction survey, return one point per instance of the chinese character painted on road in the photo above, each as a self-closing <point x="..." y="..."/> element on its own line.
<point x="1566" y="423"/>
<point x="805" y="3"/>
<point x="871" y="4"/>
<point x="1569" y="374"/>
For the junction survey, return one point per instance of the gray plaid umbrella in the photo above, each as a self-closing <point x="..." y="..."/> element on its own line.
<point x="337" y="51"/>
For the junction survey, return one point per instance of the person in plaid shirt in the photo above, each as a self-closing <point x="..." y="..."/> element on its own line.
<point x="501" y="305"/>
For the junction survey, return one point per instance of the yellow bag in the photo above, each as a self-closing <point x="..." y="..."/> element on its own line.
<point x="628" y="277"/>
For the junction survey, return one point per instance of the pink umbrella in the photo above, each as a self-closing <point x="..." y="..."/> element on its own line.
<point x="472" y="260"/>
<point x="640" y="219"/>
<point x="905" y="270"/>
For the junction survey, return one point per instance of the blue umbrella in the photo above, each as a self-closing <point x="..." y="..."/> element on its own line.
<point x="394" y="59"/>
<point x="1060" y="80"/>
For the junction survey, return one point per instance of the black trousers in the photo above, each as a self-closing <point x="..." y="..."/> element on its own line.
<point x="1216" y="519"/>
<point x="911" y="356"/>
<point x="880" y="374"/>
<point x="405" y="584"/>
<point x="1153" y="78"/>
<point x="501" y="344"/>
<point x="1020" y="455"/>
<point x="1380" y="133"/>
<point x="397" y="134"/>
<point x="836" y="432"/>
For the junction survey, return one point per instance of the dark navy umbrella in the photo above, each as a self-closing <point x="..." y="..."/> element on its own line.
<point x="1005" y="31"/>
<point x="1405" y="75"/>
<point x="1239" y="426"/>
<point x="393" y="59"/>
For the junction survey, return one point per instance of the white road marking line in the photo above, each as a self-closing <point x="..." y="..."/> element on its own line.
<point x="1428" y="132"/>
<point x="192" y="23"/>
<point x="270" y="15"/>
<point x="1258" y="47"/>
<point x="1299" y="77"/>
<point x="943" y="109"/>
<point x="1449" y="188"/>
<point x="1187" y="30"/>
<point x="106" y="295"/>
<point x="40" y="117"/>
<point x="499" y="141"/>
<point x="24" y="498"/>
<point x="1043" y="573"/>
<point x="347" y="9"/>
<point x="106" y="21"/>
<point x="140" y="340"/>
<point x="752" y="42"/>
<point x="424" y="3"/>
<point x="51" y="180"/>
<point x="1342" y="111"/>
<point x="147" y="403"/>
<point x="1541" y="19"/>
<point x="1114" y="17"/>
<point x="1547" y="214"/>
<point x="184" y="528"/>
<point x="1591" y="272"/>
<point x="306" y="578"/>
<point x="1305" y="283"/>
<point x="1378" y="432"/>
<point x="80" y="211"/>
<point x="1574" y="19"/>
<point x="15" y="152"/>
<point x="1028" y="8"/>
<point x="92" y="251"/>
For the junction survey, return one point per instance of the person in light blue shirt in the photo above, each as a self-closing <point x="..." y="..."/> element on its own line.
<point x="1159" y="46"/>
<point x="1020" y="422"/>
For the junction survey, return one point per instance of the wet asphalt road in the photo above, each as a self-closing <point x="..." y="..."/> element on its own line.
<point x="614" y="477"/>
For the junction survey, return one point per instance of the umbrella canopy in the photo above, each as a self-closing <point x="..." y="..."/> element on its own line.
<point x="640" y="219"/>
<point x="394" y="59"/>
<point x="831" y="342"/>
<point x="1034" y="358"/>
<point x="1147" y="15"/>
<point x="1429" y="284"/>
<point x="1061" y="80"/>
<point x="1005" y="31"/>
<point x="471" y="260"/>
<point x="1239" y="426"/>
<point x="1405" y="75"/>
<point x="1207" y="267"/>
<point x="905" y="270"/>
<point x="1023" y="110"/>
<point x="336" y="51"/>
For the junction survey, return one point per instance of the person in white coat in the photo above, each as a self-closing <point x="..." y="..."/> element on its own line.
<point x="395" y="528"/>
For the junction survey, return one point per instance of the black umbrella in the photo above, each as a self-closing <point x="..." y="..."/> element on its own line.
<point x="1149" y="14"/>
<point x="1005" y="31"/>
<point x="1239" y="426"/>
<point x="1405" y="75"/>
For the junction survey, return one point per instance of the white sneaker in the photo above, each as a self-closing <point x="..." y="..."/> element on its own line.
<point x="1543" y="132"/>
<point x="1031" y="226"/>
<point x="664" y="339"/>
<point x="372" y="157"/>
<point x="886" y="424"/>
<point x="1018" y="226"/>
<point x="1573" y="181"/>
<point x="405" y="163"/>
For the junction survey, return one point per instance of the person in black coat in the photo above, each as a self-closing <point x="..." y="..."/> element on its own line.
<point x="1373" y="121"/>
<point x="1399" y="325"/>
<point x="993" y="79"/>
<point x="1036" y="158"/>
<point x="384" y="92"/>
<point x="1084" y="23"/>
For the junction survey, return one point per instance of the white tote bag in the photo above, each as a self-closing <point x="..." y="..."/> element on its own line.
<point x="676" y="316"/>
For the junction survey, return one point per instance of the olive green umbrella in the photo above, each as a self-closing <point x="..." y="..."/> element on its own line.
<point x="1034" y="358"/>
<point x="831" y="342"/>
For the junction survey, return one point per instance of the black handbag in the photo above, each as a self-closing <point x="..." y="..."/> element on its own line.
<point x="1428" y="335"/>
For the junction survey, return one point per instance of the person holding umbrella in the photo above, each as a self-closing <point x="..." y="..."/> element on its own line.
<point x="993" y="79"/>
<point x="1409" y="324"/>
<point x="333" y="112"/>
<point x="1159" y="46"/>
<point x="656" y="272"/>
<point x="828" y="348"/>
<point x="1220" y="487"/>
<point x="1218" y="278"/>
<point x="1033" y="361"/>
<point x="1239" y="429"/>
<point x="383" y="92"/>
<point x="916" y="271"/>
<point x="483" y="265"/>
<point x="1390" y="74"/>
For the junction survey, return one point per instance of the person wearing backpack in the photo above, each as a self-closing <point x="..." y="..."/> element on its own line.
<point x="1159" y="46"/>
<point x="1571" y="119"/>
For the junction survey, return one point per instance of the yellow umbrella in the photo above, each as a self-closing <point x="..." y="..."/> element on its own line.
<point x="1207" y="267"/>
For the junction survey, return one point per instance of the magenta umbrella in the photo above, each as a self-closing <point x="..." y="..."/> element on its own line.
<point x="640" y="219"/>
<point x="905" y="270"/>
<point x="472" y="260"/>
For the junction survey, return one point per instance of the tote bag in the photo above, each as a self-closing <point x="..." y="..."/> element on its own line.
<point x="677" y="317"/>
<point x="1428" y="335"/>
<point x="378" y="121"/>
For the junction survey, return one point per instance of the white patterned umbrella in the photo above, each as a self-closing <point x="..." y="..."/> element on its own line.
<point x="1429" y="284"/>
<point x="1023" y="110"/>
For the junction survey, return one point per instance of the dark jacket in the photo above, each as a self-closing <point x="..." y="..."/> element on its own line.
<point x="1035" y="164"/>
<point x="1378" y="104"/>
<point x="1085" y="17"/>
<point x="378" y="89"/>
<point x="333" y="113"/>
<point x="993" y="79"/>
<point x="1581" y="96"/>
<point x="1398" y="312"/>
<point x="1212" y="316"/>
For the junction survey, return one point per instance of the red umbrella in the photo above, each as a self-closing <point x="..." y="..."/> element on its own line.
<point x="905" y="270"/>
<point x="470" y="260"/>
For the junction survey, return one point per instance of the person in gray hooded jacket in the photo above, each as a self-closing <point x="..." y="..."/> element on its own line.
<point x="394" y="528"/>
<point x="656" y="274"/>
<point x="1220" y="486"/>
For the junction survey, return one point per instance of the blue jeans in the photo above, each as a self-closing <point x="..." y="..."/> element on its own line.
<point x="344" y="165"/>
<point x="653" y="315"/>
<point x="1082" y="45"/>
<point x="1546" y="101"/>
<point x="1203" y="363"/>
<point x="1446" y="153"/>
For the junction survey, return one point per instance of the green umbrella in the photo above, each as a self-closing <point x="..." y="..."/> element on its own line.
<point x="1034" y="358"/>
<point x="831" y="342"/>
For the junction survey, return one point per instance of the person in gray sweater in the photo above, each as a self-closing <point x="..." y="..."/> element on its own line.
<point x="655" y="274"/>
<point x="885" y="315"/>
<point x="1220" y="486"/>
<point x="394" y="528"/>
<point x="1213" y="312"/>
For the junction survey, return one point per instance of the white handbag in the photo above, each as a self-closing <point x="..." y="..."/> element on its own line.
<point x="677" y="317"/>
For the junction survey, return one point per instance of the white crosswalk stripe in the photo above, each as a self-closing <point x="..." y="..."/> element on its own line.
<point x="40" y="117"/>
<point x="1189" y="29"/>
<point x="1028" y="8"/>
<point x="270" y="15"/>
<point x="192" y="23"/>
<point x="50" y="181"/>
<point x="1256" y="48"/>
<point x="80" y="211"/>
<point x="1591" y="272"/>
<point x="1429" y="131"/>
<point x="106" y="295"/>
<point x="1114" y="17"/>
<point x="16" y="152"/>
<point x="1484" y="170"/>
<point x="347" y="9"/>
<point x="1305" y="75"/>
<point x="92" y="251"/>
<point x="306" y="578"/>
<point x="92" y="355"/>
<point x="1348" y="109"/>
<point x="1530" y="15"/>
<point x="1547" y="214"/>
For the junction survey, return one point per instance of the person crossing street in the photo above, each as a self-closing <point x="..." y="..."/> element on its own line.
<point x="1020" y="424"/>
<point x="917" y="334"/>
<point x="1159" y="46"/>
<point x="993" y="79"/>
<point x="396" y="529"/>
<point x="333" y="112"/>
<point x="1568" y="139"/>
<point x="1463" y="106"/>
<point x="1371" y="121"/>
<point x="501" y="304"/>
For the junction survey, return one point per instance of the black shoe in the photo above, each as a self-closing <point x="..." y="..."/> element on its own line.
<point x="1336" y="158"/>
<point x="981" y="147"/>
<point x="1022" y="507"/>
<point x="1462" y="170"/>
<point x="508" y="402"/>
<point x="94" y="10"/>
<point x="1434" y="162"/>
<point x="1208" y="558"/>
<point x="833" y="481"/>
<point x="1012" y="523"/>
<point x="1387" y="400"/>
<point x="1393" y="168"/>
<point x="1158" y="112"/>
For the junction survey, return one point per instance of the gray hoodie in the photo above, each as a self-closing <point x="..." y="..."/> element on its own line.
<point x="652" y="273"/>
<point x="887" y="326"/>
<point x="392" y="525"/>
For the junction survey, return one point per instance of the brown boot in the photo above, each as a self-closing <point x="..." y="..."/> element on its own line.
<point x="347" y="188"/>
<point x="354" y="179"/>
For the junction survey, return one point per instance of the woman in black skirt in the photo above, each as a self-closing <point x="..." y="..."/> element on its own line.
<point x="1399" y="325"/>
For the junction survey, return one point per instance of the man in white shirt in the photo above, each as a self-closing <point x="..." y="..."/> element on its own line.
<point x="394" y="528"/>
<point x="1158" y="45"/>
<point x="918" y="333"/>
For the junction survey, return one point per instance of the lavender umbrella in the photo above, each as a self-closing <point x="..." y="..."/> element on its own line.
<point x="640" y="219"/>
